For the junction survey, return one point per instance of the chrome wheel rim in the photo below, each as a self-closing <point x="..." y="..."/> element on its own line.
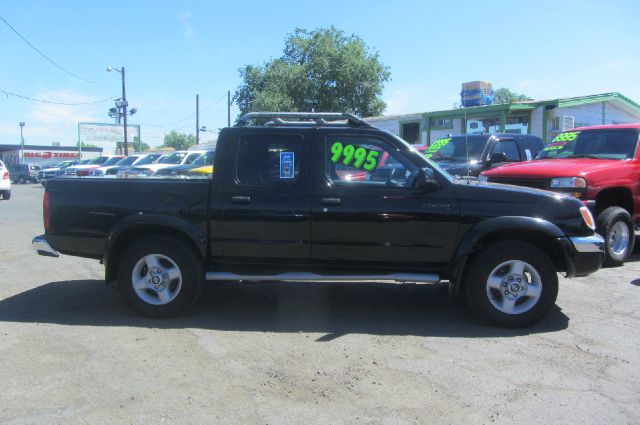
<point x="156" y="279"/>
<point x="514" y="287"/>
<point x="619" y="238"/>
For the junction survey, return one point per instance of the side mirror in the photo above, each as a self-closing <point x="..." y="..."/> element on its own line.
<point x="427" y="181"/>
<point x="498" y="157"/>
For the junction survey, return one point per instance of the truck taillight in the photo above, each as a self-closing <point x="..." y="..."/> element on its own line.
<point x="45" y="210"/>
<point x="5" y="175"/>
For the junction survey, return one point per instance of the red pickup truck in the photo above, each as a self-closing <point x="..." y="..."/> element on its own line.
<point x="600" y="165"/>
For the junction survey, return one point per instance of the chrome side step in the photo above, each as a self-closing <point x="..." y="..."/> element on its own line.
<point x="315" y="277"/>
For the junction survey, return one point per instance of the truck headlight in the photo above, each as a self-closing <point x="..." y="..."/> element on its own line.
<point x="576" y="186"/>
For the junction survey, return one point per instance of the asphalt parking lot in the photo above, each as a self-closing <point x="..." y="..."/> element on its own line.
<point x="281" y="353"/>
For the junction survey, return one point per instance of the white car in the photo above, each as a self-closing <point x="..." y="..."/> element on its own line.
<point x="176" y="158"/>
<point x="5" y="182"/>
<point x="101" y="161"/>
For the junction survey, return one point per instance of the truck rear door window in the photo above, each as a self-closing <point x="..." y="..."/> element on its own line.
<point x="269" y="160"/>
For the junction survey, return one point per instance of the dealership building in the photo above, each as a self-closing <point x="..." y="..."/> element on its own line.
<point x="45" y="155"/>
<point x="101" y="137"/>
<point x="543" y="118"/>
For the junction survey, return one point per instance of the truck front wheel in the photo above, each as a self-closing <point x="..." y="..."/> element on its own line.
<point x="511" y="284"/>
<point x="160" y="276"/>
<point x="615" y="226"/>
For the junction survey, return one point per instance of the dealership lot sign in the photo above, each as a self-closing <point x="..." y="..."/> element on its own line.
<point x="105" y="135"/>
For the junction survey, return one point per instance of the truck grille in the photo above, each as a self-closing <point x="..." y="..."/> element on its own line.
<point x="534" y="183"/>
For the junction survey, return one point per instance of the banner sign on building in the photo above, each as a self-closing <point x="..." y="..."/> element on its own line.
<point x="106" y="136"/>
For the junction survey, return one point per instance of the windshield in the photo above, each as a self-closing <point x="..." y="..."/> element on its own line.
<point x="190" y="158"/>
<point x="85" y="161"/>
<point x="113" y="161"/>
<point x="128" y="160"/>
<point x="457" y="148"/>
<point x="147" y="159"/>
<point x="205" y="159"/>
<point x="174" y="158"/>
<point x="602" y="144"/>
<point x="99" y="160"/>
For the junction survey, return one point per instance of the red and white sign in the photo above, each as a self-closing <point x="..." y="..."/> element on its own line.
<point x="48" y="155"/>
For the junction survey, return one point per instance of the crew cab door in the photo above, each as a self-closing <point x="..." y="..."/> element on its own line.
<point x="266" y="203"/>
<point x="369" y="214"/>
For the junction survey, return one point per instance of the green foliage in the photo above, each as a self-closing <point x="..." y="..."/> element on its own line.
<point x="504" y="95"/>
<point x="322" y="70"/>
<point x="88" y="145"/>
<point x="178" y="141"/>
<point x="141" y="147"/>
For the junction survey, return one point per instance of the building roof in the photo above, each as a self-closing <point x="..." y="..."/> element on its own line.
<point x="621" y="101"/>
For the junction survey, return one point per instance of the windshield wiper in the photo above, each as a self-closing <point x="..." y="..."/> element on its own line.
<point x="584" y="156"/>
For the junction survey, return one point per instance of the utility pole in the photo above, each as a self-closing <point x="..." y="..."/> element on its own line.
<point x="124" y="110"/>
<point x="197" y="119"/>
<point x="21" y="143"/>
<point x="228" y="108"/>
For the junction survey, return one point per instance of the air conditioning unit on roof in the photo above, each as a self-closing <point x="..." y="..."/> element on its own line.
<point x="568" y="122"/>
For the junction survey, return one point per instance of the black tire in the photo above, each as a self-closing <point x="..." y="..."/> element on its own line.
<point x="6" y="195"/>
<point x="500" y="260"/>
<point x="169" y="254"/>
<point x="608" y="225"/>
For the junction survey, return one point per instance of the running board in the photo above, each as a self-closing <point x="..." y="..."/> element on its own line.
<point x="314" y="277"/>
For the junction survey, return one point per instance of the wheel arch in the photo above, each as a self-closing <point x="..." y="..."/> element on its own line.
<point x="614" y="197"/>
<point x="543" y="234"/>
<point x="131" y="229"/>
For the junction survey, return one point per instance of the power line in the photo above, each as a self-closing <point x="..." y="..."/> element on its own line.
<point x="8" y="93"/>
<point x="45" y="56"/>
<point x="215" y="102"/>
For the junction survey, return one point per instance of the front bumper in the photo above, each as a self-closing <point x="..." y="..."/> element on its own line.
<point x="42" y="247"/>
<point x="583" y="254"/>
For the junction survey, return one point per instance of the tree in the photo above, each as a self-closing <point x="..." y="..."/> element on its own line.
<point x="504" y="95"/>
<point x="141" y="147"/>
<point x="178" y="141"/>
<point x="322" y="70"/>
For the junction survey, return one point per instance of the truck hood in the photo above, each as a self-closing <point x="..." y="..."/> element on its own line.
<point x="568" y="167"/>
<point x="461" y="168"/>
<point x="489" y="200"/>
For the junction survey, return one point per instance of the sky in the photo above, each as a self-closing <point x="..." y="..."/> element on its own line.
<point x="173" y="50"/>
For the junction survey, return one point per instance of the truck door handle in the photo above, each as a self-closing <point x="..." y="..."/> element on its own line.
<point x="332" y="202"/>
<point x="241" y="199"/>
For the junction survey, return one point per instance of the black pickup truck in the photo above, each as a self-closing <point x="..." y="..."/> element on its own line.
<point x="297" y="197"/>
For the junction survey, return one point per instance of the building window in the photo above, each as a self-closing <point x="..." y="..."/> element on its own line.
<point x="410" y="132"/>
<point x="441" y="123"/>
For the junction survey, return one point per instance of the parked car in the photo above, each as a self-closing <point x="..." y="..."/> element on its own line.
<point x="178" y="171"/>
<point x="84" y="169"/>
<point x="57" y="170"/>
<point x="600" y="166"/>
<point x="205" y="171"/>
<point x="5" y="182"/>
<point x="24" y="173"/>
<point x="121" y="170"/>
<point x="470" y="154"/>
<point x="175" y="158"/>
<point x="276" y="210"/>
<point x="124" y="163"/>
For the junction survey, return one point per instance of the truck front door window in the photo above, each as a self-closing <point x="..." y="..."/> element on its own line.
<point x="366" y="162"/>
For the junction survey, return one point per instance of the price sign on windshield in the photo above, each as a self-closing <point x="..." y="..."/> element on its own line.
<point x="436" y="146"/>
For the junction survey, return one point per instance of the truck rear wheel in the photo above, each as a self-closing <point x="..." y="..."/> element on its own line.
<point x="160" y="276"/>
<point x="511" y="284"/>
<point x="615" y="226"/>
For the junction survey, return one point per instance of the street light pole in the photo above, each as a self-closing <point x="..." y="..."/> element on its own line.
<point x="21" y="143"/>
<point x="124" y="106"/>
